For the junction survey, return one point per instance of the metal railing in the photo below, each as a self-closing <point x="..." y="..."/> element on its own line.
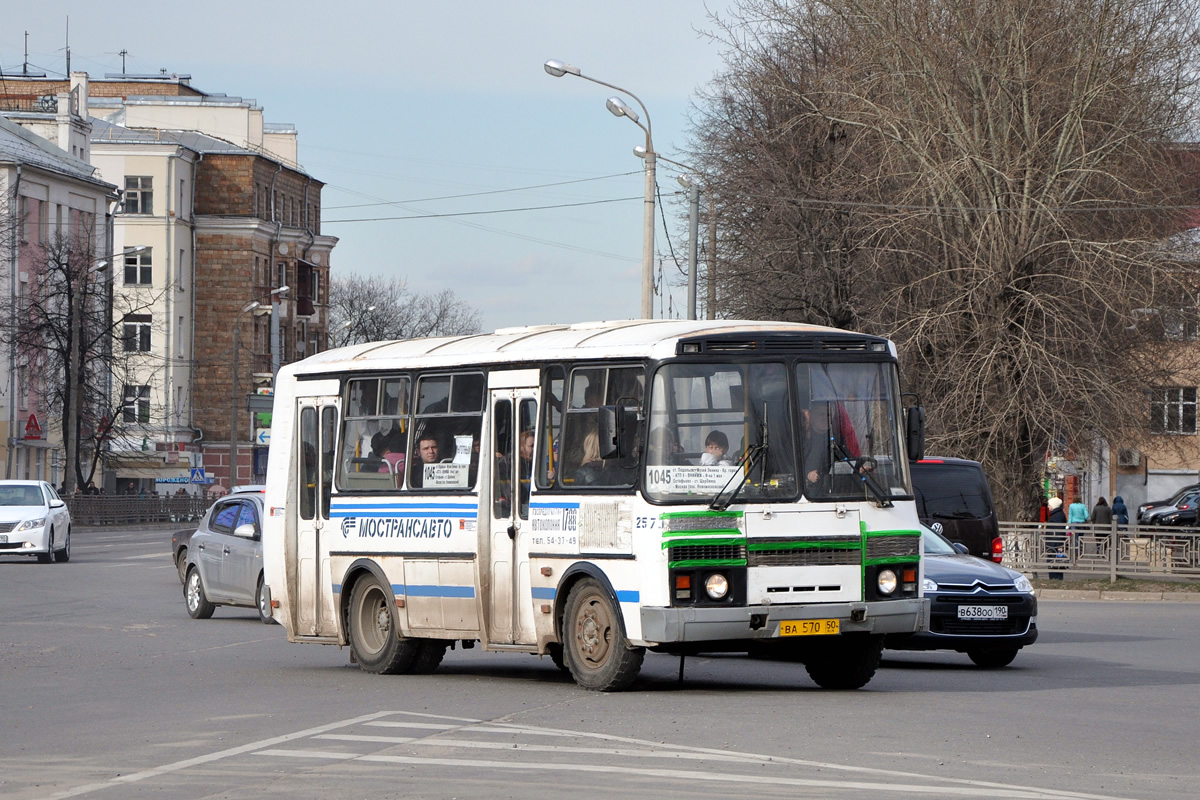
<point x="1111" y="551"/>
<point x="99" y="509"/>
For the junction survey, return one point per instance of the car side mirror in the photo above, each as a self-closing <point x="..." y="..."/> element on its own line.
<point x="914" y="419"/>
<point x="57" y="503"/>
<point x="960" y="547"/>
<point x="246" y="531"/>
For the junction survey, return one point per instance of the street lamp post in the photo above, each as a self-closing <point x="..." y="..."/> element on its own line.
<point x="257" y="308"/>
<point x="618" y="108"/>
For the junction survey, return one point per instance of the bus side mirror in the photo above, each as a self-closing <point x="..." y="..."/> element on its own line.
<point x="914" y="417"/>
<point x="610" y="429"/>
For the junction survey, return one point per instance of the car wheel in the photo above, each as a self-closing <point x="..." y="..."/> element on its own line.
<point x="260" y="600"/>
<point x="595" y="649"/>
<point x="847" y="662"/>
<point x="375" y="640"/>
<point x="64" y="555"/>
<point x="44" y="558"/>
<point x="197" y="603"/>
<point x="181" y="564"/>
<point x="992" y="657"/>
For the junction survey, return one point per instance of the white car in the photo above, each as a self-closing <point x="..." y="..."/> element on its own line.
<point x="34" y="521"/>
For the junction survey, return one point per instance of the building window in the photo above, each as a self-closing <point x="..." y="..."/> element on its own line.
<point x="1181" y="324"/>
<point x="136" y="403"/>
<point x="1173" y="410"/>
<point x="138" y="268"/>
<point x="139" y="194"/>
<point x="137" y="333"/>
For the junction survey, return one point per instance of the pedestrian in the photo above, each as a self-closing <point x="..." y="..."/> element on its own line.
<point x="1102" y="514"/>
<point x="1055" y="540"/>
<point x="1077" y="514"/>
<point x="1119" y="511"/>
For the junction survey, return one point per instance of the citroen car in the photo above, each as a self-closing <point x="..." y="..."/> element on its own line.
<point x="34" y="521"/>
<point x="977" y="607"/>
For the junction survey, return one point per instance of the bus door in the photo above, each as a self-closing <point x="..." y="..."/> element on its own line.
<point x="315" y="441"/>
<point x="514" y="413"/>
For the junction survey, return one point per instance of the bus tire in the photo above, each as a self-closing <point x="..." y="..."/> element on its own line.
<point x="848" y="662"/>
<point x="375" y="641"/>
<point x="594" y="645"/>
<point x="430" y="653"/>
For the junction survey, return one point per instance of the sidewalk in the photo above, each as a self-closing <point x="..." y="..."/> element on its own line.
<point x="1108" y="594"/>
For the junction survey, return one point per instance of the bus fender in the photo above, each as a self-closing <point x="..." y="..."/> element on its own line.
<point x="353" y="574"/>
<point x="572" y="575"/>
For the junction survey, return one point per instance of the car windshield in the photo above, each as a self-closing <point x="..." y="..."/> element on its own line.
<point x="20" y="496"/>
<point x="935" y="545"/>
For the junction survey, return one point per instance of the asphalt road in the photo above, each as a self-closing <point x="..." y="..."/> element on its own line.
<point x="108" y="690"/>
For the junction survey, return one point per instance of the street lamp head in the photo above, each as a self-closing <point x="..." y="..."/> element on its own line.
<point x="281" y="291"/>
<point x="250" y="307"/>
<point x="558" y="68"/>
<point x="619" y="109"/>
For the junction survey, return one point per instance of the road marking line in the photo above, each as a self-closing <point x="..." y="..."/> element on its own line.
<point x="233" y="751"/>
<point x="683" y="776"/>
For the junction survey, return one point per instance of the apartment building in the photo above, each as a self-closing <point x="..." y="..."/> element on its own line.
<point x="216" y="214"/>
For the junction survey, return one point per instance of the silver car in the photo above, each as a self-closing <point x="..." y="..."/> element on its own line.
<point x="224" y="559"/>
<point x="34" y="521"/>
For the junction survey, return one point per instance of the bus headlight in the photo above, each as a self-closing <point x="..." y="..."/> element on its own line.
<point x="717" y="586"/>
<point x="886" y="581"/>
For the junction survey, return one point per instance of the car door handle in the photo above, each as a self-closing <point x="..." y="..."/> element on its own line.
<point x="225" y="551"/>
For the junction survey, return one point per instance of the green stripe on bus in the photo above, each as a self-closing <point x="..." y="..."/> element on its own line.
<point x="877" y="534"/>
<point x="720" y="540"/>
<point x="708" y="562"/>
<point x="876" y="562"/>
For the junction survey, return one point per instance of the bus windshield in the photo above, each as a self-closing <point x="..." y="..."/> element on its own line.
<point x="829" y="432"/>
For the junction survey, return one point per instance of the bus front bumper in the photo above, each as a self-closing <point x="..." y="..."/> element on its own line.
<point x="701" y="624"/>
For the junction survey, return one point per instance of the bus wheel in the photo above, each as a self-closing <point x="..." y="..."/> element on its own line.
<point x="847" y="662"/>
<point x="594" y="646"/>
<point x="429" y="654"/>
<point x="555" y="652"/>
<point x="374" y="639"/>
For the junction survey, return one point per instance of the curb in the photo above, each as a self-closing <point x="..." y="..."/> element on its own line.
<point x="1127" y="597"/>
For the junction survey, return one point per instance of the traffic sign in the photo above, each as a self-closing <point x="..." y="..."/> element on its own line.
<point x="198" y="475"/>
<point x="262" y="436"/>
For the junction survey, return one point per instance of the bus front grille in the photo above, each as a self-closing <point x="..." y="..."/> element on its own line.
<point x="893" y="546"/>
<point x="706" y="552"/>
<point x="805" y="557"/>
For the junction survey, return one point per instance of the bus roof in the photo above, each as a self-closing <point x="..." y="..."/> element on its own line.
<point x="612" y="339"/>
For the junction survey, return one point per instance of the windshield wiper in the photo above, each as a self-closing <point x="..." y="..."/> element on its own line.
<point x="856" y="466"/>
<point x="754" y="454"/>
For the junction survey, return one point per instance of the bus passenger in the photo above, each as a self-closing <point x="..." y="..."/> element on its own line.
<point x="716" y="445"/>
<point x="429" y="452"/>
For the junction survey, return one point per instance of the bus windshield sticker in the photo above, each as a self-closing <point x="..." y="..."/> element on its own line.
<point x="689" y="480"/>
<point x="446" y="476"/>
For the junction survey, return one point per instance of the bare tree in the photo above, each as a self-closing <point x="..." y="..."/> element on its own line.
<point x="61" y="328"/>
<point x="988" y="183"/>
<point x="371" y="309"/>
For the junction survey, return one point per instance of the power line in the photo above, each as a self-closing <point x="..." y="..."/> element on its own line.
<point x="480" y="213"/>
<point x="481" y="194"/>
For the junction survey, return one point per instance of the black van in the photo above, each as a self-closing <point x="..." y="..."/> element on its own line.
<point x="953" y="498"/>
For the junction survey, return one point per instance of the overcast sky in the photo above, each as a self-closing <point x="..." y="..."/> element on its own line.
<point x="401" y="102"/>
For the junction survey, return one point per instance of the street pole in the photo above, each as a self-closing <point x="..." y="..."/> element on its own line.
<point x="710" y="273"/>
<point x="558" y="69"/>
<point x="693" y="245"/>
<point x="233" y="416"/>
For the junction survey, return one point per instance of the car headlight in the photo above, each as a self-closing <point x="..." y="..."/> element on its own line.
<point x="717" y="586"/>
<point x="30" y="524"/>
<point x="930" y="585"/>
<point x="1022" y="584"/>
<point x="886" y="581"/>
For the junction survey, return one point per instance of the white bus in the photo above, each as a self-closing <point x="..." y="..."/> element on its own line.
<point x="592" y="491"/>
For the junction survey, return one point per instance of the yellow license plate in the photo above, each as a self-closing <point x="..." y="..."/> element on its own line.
<point x="809" y="627"/>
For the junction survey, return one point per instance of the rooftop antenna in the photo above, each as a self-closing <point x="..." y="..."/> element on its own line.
<point x="25" y="66"/>
<point x="122" y="54"/>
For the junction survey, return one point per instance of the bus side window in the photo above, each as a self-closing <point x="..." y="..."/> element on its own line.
<point x="308" y="463"/>
<point x="550" y="451"/>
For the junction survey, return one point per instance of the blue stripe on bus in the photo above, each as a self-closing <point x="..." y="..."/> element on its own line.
<point x="554" y="505"/>
<point x="628" y="596"/>
<point x="540" y="593"/>
<point x="435" y="591"/>
<point x="336" y="513"/>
